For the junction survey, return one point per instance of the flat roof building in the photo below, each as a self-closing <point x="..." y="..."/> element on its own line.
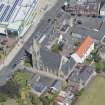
<point x="16" y="14"/>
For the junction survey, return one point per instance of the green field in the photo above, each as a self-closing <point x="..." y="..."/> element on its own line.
<point x="94" y="94"/>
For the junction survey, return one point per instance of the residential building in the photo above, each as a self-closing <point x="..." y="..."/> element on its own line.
<point x="81" y="76"/>
<point x="64" y="98"/>
<point x="56" y="86"/>
<point x="84" y="50"/>
<point x="102" y="11"/>
<point x="90" y="26"/>
<point x="40" y="84"/>
<point x="91" y="9"/>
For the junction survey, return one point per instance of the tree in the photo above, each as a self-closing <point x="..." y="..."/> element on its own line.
<point x="44" y="100"/>
<point x="104" y="70"/>
<point x="35" y="100"/>
<point x="3" y="98"/>
<point x="11" y="89"/>
<point x="100" y="66"/>
<point x="48" y="99"/>
<point x="95" y="55"/>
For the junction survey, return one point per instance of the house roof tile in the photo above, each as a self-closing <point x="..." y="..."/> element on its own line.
<point x="84" y="46"/>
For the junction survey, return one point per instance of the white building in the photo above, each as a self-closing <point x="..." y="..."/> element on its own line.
<point x="3" y="30"/>
<point x="14" y="28"/>
<point x="102" y="11"/>
<point x="84" y="50"/>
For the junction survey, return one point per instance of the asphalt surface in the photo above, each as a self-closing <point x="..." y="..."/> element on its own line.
<point x="42" y="29"/>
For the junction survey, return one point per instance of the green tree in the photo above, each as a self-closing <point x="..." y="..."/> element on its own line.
<point x="11" y="89"/>
<point x="3" y="98"/>
<point x="97" y="67"/>
<point x="48" y="99"/>
<point x="100" y="66"/>
<point x="35" y="100"/>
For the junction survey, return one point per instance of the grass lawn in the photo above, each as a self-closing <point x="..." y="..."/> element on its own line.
<point x="10" y="102"/>
<point x="94" y="94"/>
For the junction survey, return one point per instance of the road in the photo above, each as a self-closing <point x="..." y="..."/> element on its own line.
<point x="42" y="28"/>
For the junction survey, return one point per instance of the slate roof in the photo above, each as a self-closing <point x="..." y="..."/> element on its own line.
<point x="81" y="75"/>
<point x="53" y="60"/>
<point x="68" y="66"/>
<point x="39" y="87"/>
<point x="90" y="22"/>
<point x="102" y="29"/>
<point x="83" y="32"/>
<point x="86" y="29"/>
<point x="40" y="83"/>
<point x="49" y="59"/>
<point x="102" y="50"/>
<point x="56" y="84"/>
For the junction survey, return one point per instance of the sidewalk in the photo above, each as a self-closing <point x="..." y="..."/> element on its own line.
<point x="27" y="35"/>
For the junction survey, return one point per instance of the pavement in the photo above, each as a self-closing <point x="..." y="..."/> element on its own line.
<point x="19" y="50"/>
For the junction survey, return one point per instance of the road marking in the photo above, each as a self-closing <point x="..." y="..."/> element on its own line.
<point x="42" y="38"/>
